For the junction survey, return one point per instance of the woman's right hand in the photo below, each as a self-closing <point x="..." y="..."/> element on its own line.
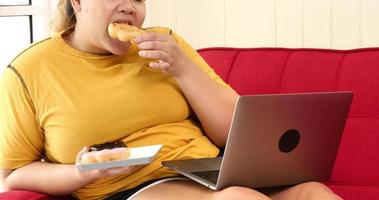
<point x="92" y="175"/>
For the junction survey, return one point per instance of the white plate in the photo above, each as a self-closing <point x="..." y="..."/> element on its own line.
<point x="138" y="156"/>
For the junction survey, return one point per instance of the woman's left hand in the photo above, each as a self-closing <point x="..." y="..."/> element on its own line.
<point x="163" y="48"/>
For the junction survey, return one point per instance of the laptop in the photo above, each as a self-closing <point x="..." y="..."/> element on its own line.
<point x="275" y="140"/>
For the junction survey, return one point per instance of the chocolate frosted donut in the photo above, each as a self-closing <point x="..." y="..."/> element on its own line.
<point x="107" y="145"/>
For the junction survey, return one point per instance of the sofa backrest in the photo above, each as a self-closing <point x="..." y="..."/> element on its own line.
<point x="281" y="70"/>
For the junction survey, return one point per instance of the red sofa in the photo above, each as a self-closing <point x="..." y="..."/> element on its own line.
<point x="280" y="70"/>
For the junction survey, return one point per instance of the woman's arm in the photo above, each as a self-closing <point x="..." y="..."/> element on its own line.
<point x="3" y="174"/>
<point x="53" y="179"/>
<point x="212" y="103"/>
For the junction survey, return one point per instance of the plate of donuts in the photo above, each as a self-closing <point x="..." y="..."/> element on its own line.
<point x="118" y="157"/>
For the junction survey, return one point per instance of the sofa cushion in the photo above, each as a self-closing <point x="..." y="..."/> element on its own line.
<point x="28" y="195"/>
<point x="354" y="192"/>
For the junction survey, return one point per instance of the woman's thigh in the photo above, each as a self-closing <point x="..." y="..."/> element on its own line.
<point x="189" y="190"/>
<point x="172" y="190"/>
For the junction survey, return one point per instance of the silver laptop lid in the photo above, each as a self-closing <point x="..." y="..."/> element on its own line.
<point x="283" y="139"/>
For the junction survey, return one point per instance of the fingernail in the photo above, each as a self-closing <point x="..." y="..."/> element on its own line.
<point x="141" y="53"/>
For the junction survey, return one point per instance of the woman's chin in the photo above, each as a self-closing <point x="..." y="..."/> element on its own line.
<point x="119" y="50"/>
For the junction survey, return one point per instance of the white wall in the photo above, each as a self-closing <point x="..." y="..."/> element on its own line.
<point x="15" y="31"/>
<point x="338" y="24"/>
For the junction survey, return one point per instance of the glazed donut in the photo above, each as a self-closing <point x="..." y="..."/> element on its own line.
<point x="123" y="32"/>
<point x="88" y="158"/>
<point x="119" y="154"/>
<point x="105" y="155"/>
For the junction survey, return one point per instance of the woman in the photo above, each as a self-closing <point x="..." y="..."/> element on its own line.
<point x="82" y="87"/>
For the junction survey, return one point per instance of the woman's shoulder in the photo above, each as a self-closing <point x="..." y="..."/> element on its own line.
<point x="32" y="55"/>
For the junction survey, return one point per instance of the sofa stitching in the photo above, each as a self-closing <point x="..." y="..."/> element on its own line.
<point x="339" y="71"/>
<point x="232" y="66"/>
<point x="283" y="70"/>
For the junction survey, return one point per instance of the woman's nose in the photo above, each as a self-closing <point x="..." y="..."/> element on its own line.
<point x="127" y="7"/>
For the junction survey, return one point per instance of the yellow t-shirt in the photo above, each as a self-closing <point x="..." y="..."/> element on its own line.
<point x="56" y="99"/>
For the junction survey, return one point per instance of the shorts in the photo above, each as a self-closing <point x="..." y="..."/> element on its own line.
<point x="131" y="193"/>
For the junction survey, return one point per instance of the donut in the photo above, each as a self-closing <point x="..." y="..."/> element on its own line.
<point x="123" y="32"/>
<point x="120" y="154"/>
<point x="88" y="158"/>
<point x="105" y="155"/>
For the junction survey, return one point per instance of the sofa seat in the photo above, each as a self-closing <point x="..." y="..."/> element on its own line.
<point x="355" y="192"/>
<point x="28" y="195"/>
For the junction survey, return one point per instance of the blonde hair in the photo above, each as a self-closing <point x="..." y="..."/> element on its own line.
<point x="64" y="18"/>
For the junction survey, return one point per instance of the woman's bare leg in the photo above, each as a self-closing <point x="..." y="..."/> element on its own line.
<point x="189" y="190"/>
<point x="306" y="191"/>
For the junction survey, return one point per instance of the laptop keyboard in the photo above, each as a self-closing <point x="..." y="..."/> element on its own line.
<point x="210" y="176"/>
